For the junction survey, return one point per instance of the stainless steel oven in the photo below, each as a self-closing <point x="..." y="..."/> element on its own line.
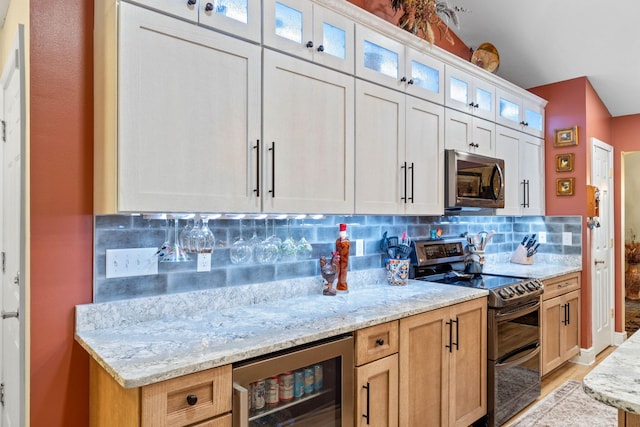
<point x="513" y="350"/>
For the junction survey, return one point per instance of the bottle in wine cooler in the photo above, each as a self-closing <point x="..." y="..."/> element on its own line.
<point x="298" y="384"/>
<point x="308" y="380"/>
<point x="258" y="395"/>
<point x="286" y="386"/>
<point x="317" y="375"/>
<point x="272" y="391"/>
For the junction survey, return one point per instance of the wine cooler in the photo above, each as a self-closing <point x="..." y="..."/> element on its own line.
<point x="307" y="387"/>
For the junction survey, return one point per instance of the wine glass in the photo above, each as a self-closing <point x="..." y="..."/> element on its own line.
<point x="171" y="250"/>
<point x="201" y="238"/>
<point x="304" y="250"/>
<point x="184" y="237"/>
<point x="241" y="251"/>
<point x="288" y="247"/>
<point x="267" y="251"/>
<point x="254" y="240"/>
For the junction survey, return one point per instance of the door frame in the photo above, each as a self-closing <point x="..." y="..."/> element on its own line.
<point x="18" y="61"/>
<point x="610" y="258"/>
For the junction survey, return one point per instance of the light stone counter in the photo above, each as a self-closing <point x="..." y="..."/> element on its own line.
<point x="616" y="380"/>
<point x="545" y="266"/>
<point x="146" y="340"/>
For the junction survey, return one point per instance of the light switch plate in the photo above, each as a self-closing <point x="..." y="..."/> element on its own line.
<point x="566" y="238"/>
<point x="131" y="262"/>
<point x="359" y="247"/>
<point x="542" y="237"/>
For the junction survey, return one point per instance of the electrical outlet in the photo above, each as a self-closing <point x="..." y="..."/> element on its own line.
<point x="204" y="262"/>
<point x="359" y="247"/>
<point x="567" y="239"/>
<point x="131" y="262"/>
<point x="542" y="237"/>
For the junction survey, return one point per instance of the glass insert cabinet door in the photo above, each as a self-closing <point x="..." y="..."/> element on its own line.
<point x="469" y="94"/>
<point x="309" y="31"/>
<point x="240" y="17"/>
<point x="425" y="76"/>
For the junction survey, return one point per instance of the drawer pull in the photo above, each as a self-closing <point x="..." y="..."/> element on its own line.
<point x="379" y="341"/>
<point x="192" y="399"/>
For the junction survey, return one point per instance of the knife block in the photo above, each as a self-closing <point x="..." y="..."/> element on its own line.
<point x="519" y="256"/>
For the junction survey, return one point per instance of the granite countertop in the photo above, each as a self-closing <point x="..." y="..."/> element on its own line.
<point x="145" y="340"/>
<point x="615" y="380"/>
<point x="179" y="339"/>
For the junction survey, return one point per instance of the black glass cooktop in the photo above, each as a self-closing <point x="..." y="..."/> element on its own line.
<point x="483" y="281"/>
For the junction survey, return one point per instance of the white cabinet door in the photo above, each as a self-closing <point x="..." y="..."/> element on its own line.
<point x="467" y="133"/>
<point x="380" y="136"/>
<point x="523" y="157"/>
<point x="399" y="153"/>
<point x="309" y="31"/>
<point x="380" y="59"/>
<point x="426" y="76"/>
<point x="180" y="147"/>
<point x="467" y="93"/>
<point x="424" y="151"/>
<point x="239" y="17"/>
<point x="309" y="137"/>
<point x="520" y="113"/>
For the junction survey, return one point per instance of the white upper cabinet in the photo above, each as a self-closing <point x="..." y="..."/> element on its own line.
<point x="385" y="61"/>
<point x="163" y="143"/>
<point x="518" y="112"/>
<point x="464" y="132"/>
<point x="399" y="153"/>
<point x="308" y="137"/>
<point x="239" y="17"/>
<point x="185" y="9"/>
<point x="470" y="94"/>
<point x="523" y="157"/>
<point x="309" y="31"/>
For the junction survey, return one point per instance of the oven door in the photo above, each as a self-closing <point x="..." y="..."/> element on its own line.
<point x="514" y="360"/>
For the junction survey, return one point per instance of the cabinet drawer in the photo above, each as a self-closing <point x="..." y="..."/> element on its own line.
<point x="560" y="285"/>
<point x="188" y="399"/>
<point x="376" y="342"/>
<point x="223" y="421"/>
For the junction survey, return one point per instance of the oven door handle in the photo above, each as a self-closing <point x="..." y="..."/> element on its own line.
<point x="535" y="346"/>
<point x="520" y="311"/>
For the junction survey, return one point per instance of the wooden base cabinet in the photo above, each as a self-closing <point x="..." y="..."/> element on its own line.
<point x="560" y="321"/>
<point x="443" y="366"/>
<point x="376" y="376"/>
<point x="202" y="399"/>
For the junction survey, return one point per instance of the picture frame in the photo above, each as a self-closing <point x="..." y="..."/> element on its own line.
<point x="566" y="137"/>
<point x="564" y="162"/>
<point x="469" y="184"/>
<point x="565" y="186"/>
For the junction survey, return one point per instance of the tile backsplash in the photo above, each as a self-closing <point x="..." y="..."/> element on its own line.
<point x="127" y="231"/>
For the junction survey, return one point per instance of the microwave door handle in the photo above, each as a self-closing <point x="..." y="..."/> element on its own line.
<point x="240" y="406"/>
<point x="496" y="168"/>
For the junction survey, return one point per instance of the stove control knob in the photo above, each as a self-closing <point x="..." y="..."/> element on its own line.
<point x="503" y="293"/>
<point x="531" y="286"/>
<point x="509" y="291"/>
<point x="520" y="289"/>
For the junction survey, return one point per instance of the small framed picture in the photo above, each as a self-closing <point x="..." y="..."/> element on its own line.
<point x="565" y="186"/>
<point x="564" y="162"/>
<point x="566" y="137"/>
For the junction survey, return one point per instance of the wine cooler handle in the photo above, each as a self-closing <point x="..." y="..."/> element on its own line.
<point x="367" y="414"/>
<point x="240" y="406"/>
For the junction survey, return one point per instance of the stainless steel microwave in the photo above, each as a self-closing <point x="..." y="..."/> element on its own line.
<point x="473" y="181"/>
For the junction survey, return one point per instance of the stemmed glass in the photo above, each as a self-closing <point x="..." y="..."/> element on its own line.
<point x="288" y="247"/>
<point x="185" y="239"/>
<point x="171" y="250"/>
<point x="304" y="250"/>
<point x="241" y="250"/>
<point x="254" y="241"/>
<point x="201" y="238"/>
<point x="267" y="251"/>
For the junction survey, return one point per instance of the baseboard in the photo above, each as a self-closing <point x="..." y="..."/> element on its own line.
<point x="587" y="356"/>
<point x="619" y="338"/>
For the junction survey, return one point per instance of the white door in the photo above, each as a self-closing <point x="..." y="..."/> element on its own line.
<point x="12" y="237"/>
<point x="602" y="282"/>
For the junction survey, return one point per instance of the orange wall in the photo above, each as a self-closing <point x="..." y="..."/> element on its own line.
<point x="61" y="220"/>
<point x="575" y="102"/>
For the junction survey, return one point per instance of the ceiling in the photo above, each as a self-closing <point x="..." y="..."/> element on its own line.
<point x="547" y="41"/>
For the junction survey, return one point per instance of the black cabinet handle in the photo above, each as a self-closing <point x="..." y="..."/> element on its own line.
<point x="367" y="414"/>
<point x="309" y="44"/>
<point x="273" y="169"/>
<point x="450" y="345"/>
<point x="208" y="7"/>
<point x="404" y="168"/>
<point x="192" y="399"/>
<point x="411" y="167"/>
<point x="379" y="341"/>
<point x="523" y="123"/>
<point x="403" y="79"/>
<point x="257" y="148"/>
<point x="457" y="343"/>
<point x="473" y="144"/>
<point x="410" y="82"/>
<point x="321" y="48"/>
<point x="191" y="2"/>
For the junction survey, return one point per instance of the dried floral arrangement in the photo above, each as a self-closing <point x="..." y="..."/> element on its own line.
<point x="420" y="16"/>
<point x="632" y="252"/>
